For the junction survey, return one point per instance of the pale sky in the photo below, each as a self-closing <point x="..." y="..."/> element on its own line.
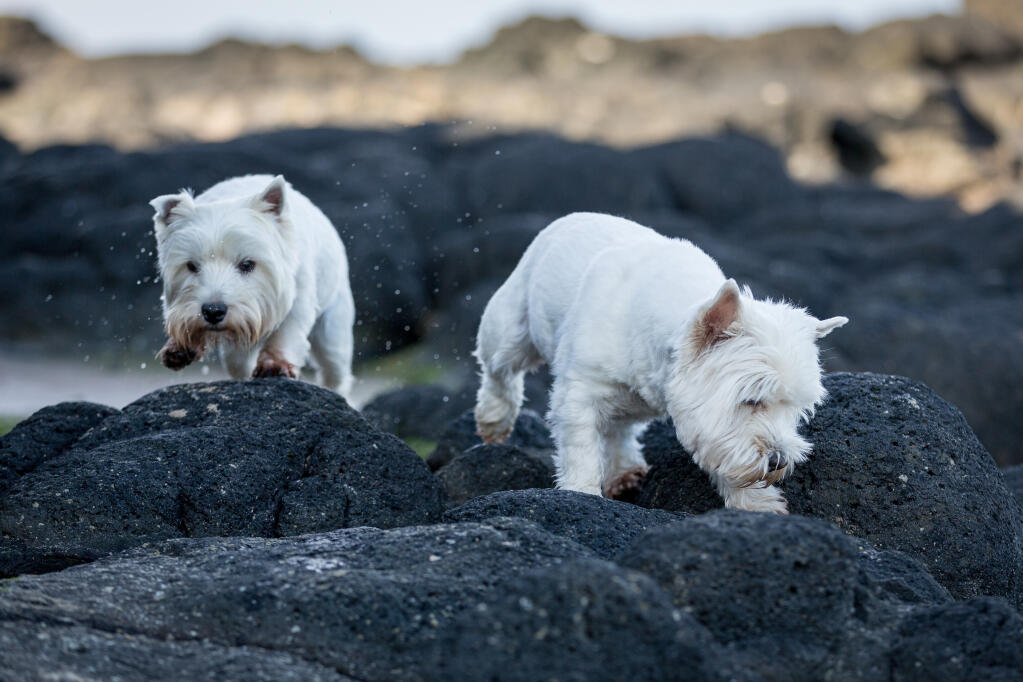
<point x="416" y="31"/>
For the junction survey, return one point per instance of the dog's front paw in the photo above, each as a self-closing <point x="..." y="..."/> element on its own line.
<point x="272" y="364"/>
<point x="625" y="483"/>
<point x="760" y="499"/>
<point x="176" y="357"/>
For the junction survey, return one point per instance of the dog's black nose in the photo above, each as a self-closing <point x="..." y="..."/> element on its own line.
<point x="214" y="312"/>
<point x="775" y="460"/>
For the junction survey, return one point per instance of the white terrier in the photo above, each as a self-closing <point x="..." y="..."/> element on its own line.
<point x="253" y="263"/>
<point x="635" y="326"/>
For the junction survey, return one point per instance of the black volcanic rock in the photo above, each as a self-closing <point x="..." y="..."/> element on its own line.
<point x="46" y="434"/>
<point x="39" y="651"/>
<point x="605" y="526"/>
<point x="788" y="595"/>
<point x="261" y="457"/>
<point x="1014" y="481"/>
<point x="409" y="603"/>
<point x="894" y="464"/>
<point x="422" y="411"/>
<point x="490" y="468"/>
<point x="978" y="639"/>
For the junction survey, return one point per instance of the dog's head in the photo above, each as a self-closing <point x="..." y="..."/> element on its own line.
<point x="747" y="374"/>
<point x="228" y="267"/>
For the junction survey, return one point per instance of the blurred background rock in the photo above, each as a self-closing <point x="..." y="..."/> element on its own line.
<point x="874" y="174"/>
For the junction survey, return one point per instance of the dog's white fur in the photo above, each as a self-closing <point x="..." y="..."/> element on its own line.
<point x="296" y="298"/>
<point x="636" y="326"/>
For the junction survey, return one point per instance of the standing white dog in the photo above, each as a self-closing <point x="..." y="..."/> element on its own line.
<point x="635" y="326"/>
<point x="253" y="263"/>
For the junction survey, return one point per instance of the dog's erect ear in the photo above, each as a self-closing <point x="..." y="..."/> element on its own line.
<point x="169" y="207"/>
<point x="825" y="327"/>
<point x="717" y="316"/>
<point x="271" y="199"/>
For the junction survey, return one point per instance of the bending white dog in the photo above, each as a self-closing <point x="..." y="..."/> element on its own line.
<point x="636" y="326"/>
<point x="253" y="263"/>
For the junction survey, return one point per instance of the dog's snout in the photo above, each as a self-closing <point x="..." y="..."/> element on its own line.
<point x="214" y="312"/>
<point x="776" y="460"/>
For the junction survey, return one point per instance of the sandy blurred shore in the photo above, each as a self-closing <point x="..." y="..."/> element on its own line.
<point x="929" y="106"/>
<point x="28" y="383"/>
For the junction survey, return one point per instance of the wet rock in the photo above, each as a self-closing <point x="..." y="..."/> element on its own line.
<point x="1014" y="481"/>
<point x="978" y="639"/>
<point x="423" y="411"/>
<point x="261" y="457"/>
<point x="605" y="526"/>
<point x="46" y="434"/>
<point x="582" y="620"/>
<point x="364" y="602"/>
<point x="490" y="468"/>
<point x="787" y="595"/>
<point x="737" y="174"/>
<point x="545" y="174"/>
<point x="896" y="465"/>
<point x="674" y="482"/>
<point x="893" y="464"/>
<point x="34" y="651"/>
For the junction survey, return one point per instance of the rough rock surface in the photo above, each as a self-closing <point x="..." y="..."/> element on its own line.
<point x="605" y="526"/>
<point x="893" y="464"/>
<point x="519" y="584"/>
<point x="260" y="457"/>
<point x="423" y="411"/>
<point x="46" y="434"/>
<point x="789" y="596"/>
<point x="1014" y="481"/>
<point x="486" y="469"/>
<point x="408" y="603"/>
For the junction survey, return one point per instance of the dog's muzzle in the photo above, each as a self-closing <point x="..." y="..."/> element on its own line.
<point x="772" y="467"/>
<point x="214" y="313"/>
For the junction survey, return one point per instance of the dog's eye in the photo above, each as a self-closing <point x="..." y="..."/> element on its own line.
<point x="754" y="404"/>
<point x="246" y="266"/>
<point x="192" y="267"/>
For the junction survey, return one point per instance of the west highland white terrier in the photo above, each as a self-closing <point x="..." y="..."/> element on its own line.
<point x="252" y="265"/>
<point x="636" y="326"/>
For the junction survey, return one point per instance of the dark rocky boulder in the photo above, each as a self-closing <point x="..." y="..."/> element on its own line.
<point x="46" y="434"/>
<point x="605" y="526"/>
<point x="260" y="457"/>
<point x="490" y="468"/>
<point x="422" y="411"/>
<point x="40" y="651"/>
<point x="788" y="595"/>
<point x="894" y="464"/>
<point x="674" y="482"/>
<point x="978" y="639"/>
<point x="530" y="435"/>
<point x="1014" y="481"/>
<point x="408" y="603"/>
<point x="582" y="620"/>
<point x="720" y="178"/>
<point x="545" y="174"/>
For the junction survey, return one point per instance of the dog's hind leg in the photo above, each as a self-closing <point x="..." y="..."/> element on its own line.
<point x="332" y="343"/>
<point x="505" y="353"/>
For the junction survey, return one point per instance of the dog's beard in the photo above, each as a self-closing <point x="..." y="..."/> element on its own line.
<point x="244" y="326"/>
